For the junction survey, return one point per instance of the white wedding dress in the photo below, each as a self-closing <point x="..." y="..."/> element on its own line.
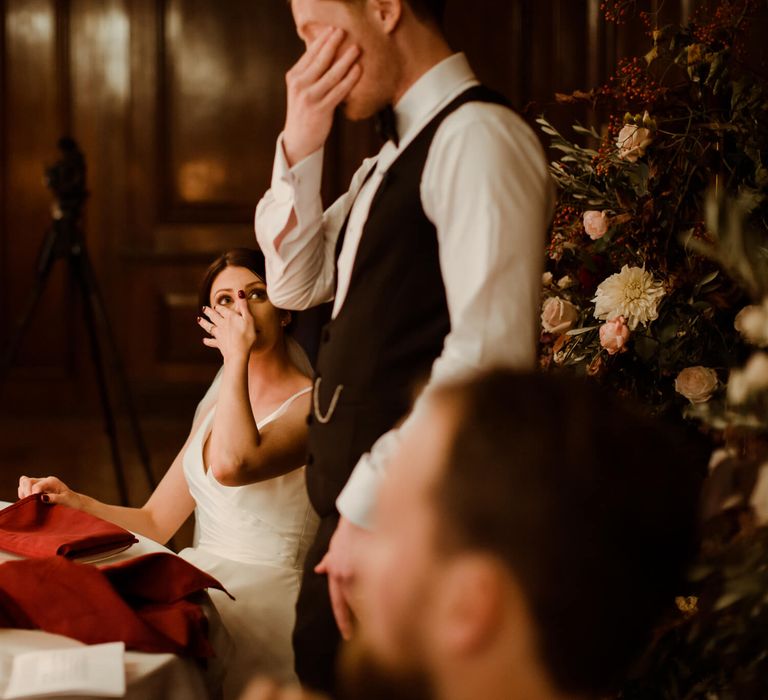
<point x="253" y="539"/>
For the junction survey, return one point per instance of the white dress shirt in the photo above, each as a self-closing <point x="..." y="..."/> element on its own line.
<point x="485" y="187"/>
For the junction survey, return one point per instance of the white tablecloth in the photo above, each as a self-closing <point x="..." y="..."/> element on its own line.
<point x="147" y="676"/>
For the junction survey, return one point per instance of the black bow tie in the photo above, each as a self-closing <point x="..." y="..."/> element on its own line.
<point x="386" y="125"/>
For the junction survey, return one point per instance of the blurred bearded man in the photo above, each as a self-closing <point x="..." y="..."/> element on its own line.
<point x="529" y="536"/>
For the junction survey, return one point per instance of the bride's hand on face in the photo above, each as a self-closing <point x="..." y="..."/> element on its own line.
<point x="232" y="329"/>
<point x="54" y="491"/>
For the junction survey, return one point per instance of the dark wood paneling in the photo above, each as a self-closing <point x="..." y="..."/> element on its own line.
<point x="3" y="181"/>
<point x="177" y="104"/>
<point x="222" y="104"/>
<point x="208" y="99"/>
<point x="100" y="95"/>
<point x="496" y="46"/>
<point x="33" y="122"/>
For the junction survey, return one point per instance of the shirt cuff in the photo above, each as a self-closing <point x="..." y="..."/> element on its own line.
<point x="298" y="183"/>
<point x="358" y="498"/>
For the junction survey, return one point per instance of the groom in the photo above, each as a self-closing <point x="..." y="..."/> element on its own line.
<point x="432" y="259"/>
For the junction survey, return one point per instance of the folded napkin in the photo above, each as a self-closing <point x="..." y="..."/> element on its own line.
<point x="96" y="605"/>
<point x="158" y="578"/>
<point x="35" y="529"/>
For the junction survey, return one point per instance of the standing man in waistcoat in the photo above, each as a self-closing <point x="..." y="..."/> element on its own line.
<point x="433" y="259"/>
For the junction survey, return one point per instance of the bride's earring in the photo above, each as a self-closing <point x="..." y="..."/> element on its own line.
<point x="286" y="320"/>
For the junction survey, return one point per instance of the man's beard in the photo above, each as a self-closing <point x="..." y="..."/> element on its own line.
<point x="363" y="676"/>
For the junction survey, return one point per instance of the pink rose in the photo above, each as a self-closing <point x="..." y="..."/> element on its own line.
<point x="697" y="384"/>
<point x="632" y="142"/>
<point x="614" y="335"/>
<point x="558" y="315"/>
<point x="595" y="224"/>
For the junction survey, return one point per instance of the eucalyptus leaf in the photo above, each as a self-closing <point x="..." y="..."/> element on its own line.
<point x="708" y="278"/>
<point x="579" y="129"/>
<point x="579" y="331"/>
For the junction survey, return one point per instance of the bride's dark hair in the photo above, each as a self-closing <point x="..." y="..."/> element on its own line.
<point x="249" y="258"/>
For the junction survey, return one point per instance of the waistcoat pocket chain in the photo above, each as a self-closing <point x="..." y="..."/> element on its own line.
<point x="331" y="407"/>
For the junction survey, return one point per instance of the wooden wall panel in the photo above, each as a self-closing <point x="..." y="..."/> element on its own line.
<point x="498" y="52"/>
<point x="177" y="104"/>
<point x="3" y="180"/>
<point x="33" y="122"/>
<point x="99" y="49"/>
<point x="208" y="98"/>
<point x="223" y="104"/>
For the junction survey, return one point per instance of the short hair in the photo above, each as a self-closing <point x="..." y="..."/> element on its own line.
<point x="591" y="505"/>
<point x="428" y="10"/>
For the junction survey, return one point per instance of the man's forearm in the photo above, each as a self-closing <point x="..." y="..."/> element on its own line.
<point x="290" y="231"/>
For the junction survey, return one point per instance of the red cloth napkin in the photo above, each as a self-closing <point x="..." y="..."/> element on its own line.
<point x="158" y="578"/>
<point x="35" y="529"/>
<point x="106" y="605"/>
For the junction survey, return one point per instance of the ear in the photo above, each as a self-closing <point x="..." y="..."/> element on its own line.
<point x="387" y="13"/>
<point x="471" y="605"/>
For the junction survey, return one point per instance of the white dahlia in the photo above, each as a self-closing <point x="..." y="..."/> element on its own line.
<point x="632" y="293"/>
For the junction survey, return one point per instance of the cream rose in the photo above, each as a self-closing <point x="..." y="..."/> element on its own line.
<point x="614" y="335"/>
<point x="595" y="224"/>
<point x="558" y="315"/>
<point x="632" y="142"/>
<point x="697" y="384"/>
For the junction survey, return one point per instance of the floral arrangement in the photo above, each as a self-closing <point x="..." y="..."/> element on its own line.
<point x="630" y="295"/>
<point x="656" y="286"/>
<point x="714" y="645"/>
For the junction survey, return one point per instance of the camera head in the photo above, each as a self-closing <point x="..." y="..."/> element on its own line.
<point x="66" y="179"/>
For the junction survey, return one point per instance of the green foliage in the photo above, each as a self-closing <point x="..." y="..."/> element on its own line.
<point x="705" y="118"/>
<point x="689" y="206"/>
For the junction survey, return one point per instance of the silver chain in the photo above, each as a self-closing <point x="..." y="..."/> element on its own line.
<point x="331" y="407"/>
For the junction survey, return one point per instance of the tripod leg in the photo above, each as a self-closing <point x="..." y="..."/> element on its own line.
<point x="45" y="261"/>
<point x="101" y="316"/>
<point x="109" y="419"/>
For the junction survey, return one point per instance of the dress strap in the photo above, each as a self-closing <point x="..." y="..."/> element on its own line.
<point x="283" y="406"/>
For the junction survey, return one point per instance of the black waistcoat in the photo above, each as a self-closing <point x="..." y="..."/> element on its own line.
<point x="390" y="328"/>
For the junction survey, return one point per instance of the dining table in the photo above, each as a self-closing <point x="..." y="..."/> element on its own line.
<point x="148" y="676"/>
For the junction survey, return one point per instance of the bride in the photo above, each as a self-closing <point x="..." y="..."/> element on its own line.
<point x="240" y="471"/>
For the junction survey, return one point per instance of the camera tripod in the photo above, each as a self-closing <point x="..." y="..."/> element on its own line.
<point x="65" y="240"/>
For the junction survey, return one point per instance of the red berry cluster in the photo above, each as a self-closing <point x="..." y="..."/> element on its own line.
<point x="565" y="216"/>
<point x="650" y="22"/>
<point x="566" y="227"/>
<point x="632" y="84"/>
<point x="603" y="161"/>
<point x="710" y="26"/>
<point x="617" y="11"/>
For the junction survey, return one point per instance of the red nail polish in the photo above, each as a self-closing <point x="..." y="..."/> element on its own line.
<point x="199" y="319"/>
<point x="240" y="294"/>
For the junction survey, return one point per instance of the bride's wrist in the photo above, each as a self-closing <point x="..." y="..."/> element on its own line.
<point x="236" y="362"/>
